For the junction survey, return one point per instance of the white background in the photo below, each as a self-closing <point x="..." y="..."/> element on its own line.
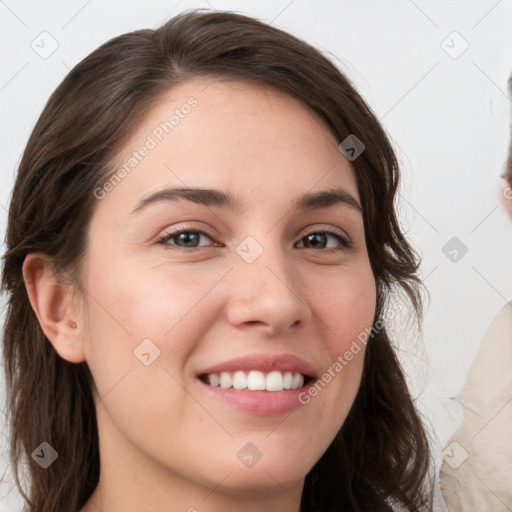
<point x="448" y="117"/>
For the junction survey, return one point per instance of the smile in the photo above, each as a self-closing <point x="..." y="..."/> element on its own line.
<point x="261" y="384"/>
<point x="255" y="380"/>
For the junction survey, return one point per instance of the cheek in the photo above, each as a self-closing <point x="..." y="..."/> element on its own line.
<point x="345" y="303"/>
<point x="141" y="329"/>
<point x="133" y="313"/>
<point x="159" y="300"/>
<point x="145" y="303"/>
<point x="345" y="307"/>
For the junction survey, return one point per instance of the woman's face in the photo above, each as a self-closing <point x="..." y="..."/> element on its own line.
<point x="270" y="276"/>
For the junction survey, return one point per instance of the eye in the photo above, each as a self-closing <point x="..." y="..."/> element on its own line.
<point x="190" y="239"/>
<point x="324" y="240"/>
<point x="185" y="239"/>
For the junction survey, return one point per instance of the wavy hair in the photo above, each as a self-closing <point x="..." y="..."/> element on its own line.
<point x="380" y="457"/>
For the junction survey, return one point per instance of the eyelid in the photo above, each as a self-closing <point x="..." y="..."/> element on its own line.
<point x="195" y="226"/>
<point x="327" y="228"/>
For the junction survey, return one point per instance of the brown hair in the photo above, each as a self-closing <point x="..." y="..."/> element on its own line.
<point x="381" y="454"/>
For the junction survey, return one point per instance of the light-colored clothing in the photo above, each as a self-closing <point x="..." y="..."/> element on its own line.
<point x="476" y="475"/>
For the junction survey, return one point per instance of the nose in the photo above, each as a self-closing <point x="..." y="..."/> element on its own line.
<point x="266" y="295"/>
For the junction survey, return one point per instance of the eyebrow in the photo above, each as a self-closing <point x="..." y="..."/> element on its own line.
<point x="219" y="198"/>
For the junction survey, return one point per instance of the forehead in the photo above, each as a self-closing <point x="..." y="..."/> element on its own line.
<point x="241" y="136"/>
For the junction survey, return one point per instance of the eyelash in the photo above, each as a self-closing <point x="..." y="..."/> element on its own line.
<point x="345" y="243"/>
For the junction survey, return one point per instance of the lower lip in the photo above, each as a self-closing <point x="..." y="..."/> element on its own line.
<point x="267" y="403"/>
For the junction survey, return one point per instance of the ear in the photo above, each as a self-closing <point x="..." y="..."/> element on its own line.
<point x="52" y="304"/>
<point x="506" y="196"/>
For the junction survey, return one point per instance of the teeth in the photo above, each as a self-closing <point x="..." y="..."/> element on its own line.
<point x="298" y="381"/>
<point x="274" y="381"/>
<point x="239" y="380"/>
<point x="256" y="380"/>
<point x="214" y="379"/>
<point x="225" y="380"/>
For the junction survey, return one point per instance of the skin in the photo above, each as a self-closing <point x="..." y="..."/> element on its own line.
<point x="165" y="443"/>
<point x="506" y="195"/>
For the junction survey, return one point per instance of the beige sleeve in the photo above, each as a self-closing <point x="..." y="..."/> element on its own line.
<point x="476" y="475"/>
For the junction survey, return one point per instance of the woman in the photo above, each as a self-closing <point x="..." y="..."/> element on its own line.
<point x="477" y="469"/>
<point x="202" y="278"/>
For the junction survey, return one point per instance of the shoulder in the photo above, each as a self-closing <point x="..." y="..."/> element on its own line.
<point x="490" y="374"/>
<point x="482" y="443"/>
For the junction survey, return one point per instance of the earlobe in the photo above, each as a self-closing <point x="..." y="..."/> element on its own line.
<point x="53" y="308"/>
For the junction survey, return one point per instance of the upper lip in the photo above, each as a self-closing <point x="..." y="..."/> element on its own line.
<point x="263" y="363"/>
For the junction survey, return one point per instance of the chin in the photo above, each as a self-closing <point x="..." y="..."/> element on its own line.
<point x="265" y="477"/>
<point x="280" y="463"/>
